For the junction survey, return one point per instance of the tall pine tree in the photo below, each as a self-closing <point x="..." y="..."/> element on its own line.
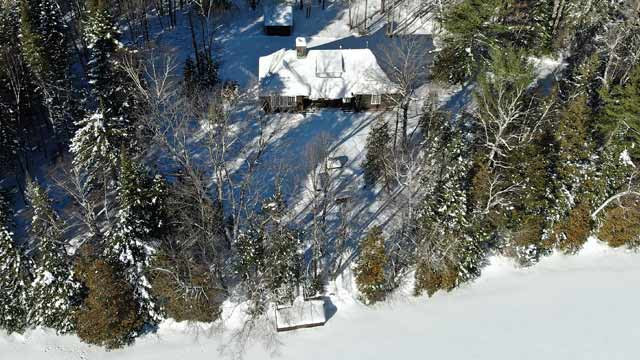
<point x="102" y="135"/>
<point x="621" y="115"/>
<point x="283" y="261"/>
<point x="139" y="222"/>
<point x="53" y="294"/>
<point x="378" y="147"/>
<point x="13" y="278"/>
<point x="574" y="176"/>
<point x="43" y="34"/>
<point x="448" y="253"/>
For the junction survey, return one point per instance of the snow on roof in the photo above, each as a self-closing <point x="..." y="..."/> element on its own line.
<point x="301" y="314"/>
<point x="323" y="74"/>
<point x="278" y="15"/>
<point x="329" y="64"/>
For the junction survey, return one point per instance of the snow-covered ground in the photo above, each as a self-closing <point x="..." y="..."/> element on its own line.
<point x="566" y="307"/>
<point x="240" y="38"/>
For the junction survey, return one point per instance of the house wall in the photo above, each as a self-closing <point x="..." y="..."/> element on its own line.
<point x="271" y="104"/>
<point x="358" y="103"/>
<point x="363" y="102"/>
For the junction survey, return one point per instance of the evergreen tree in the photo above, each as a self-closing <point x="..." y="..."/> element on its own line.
<point x="53" y="293"/>
<point x="249" y="264"/>
<point x="617" y="167"/>
<point x="370" y="268"/>
<point x="621" y="224"/>
<point x="13" y="279"/>
<point x="283" y="261"/>
<point x="574" y="176"/>
<point x="526" y="218"/>
<point x="109" y="315"/>
<point x="103" y="41"/>
<point x="621" y="115"/>
<point x="249" y="254"/>
<point x="377" y="148"/>
<point x="9" y="141"/>
<point x="139" y="221"/>
<point x="5" y="209"/>
<point x="43" y="34"/>
<point x="448" y="253"/>
<point x="474" y="27"/>
<point x="95" y="148"/>
<point x="101" y="136"/>
<point x="14" y="92"/>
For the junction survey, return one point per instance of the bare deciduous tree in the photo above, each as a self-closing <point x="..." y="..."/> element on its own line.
<point x="405" y="62"/>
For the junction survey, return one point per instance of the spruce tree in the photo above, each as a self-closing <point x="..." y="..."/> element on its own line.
<point x="103" y="41"/>
<point x="474" y="27"/>
<point x="53" y="293"/>
<point x="13" y="279"/>
<point x="45" y="44"/>
<point x="139" y="222"/>
<point x="617" y="167"/>
<point x="448" y="252"/>
<point x="370" y="268"/>
<point x="12" y="92"/>
<point x="526" y="217"/>
<point x="95" y="148"/>
<point x="109" y="315"/>
<point x="110" y="128"/>
<point x="283" y="261"/>
<point x="574" y="174"/>
<point x="377" y="148"/>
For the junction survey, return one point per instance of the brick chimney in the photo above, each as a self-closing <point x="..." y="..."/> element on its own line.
<point x="301" y="47"/>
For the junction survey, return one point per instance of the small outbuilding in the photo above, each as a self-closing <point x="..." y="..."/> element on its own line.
<point x="278" y="19"/>
<point x="300" y="314"/>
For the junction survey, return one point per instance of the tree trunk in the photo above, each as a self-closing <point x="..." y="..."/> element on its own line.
<point x="194" y="42"/>
<point x="405" y="121"/>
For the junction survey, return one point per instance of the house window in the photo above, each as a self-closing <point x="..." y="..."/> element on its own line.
<point x="346" y="100"/>
<point x="376" y="99"/>
<point x="287" y="101"/>
<point x="283" y="101"/>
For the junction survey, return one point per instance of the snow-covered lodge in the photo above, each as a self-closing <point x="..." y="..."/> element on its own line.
<point x="352" y="79"/>
<point x="278" y="19"/>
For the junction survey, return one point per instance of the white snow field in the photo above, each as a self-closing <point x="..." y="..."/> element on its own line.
<point x="567" y="307"/>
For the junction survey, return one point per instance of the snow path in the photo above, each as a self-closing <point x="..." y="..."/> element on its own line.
<point x="566" y="307"/>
